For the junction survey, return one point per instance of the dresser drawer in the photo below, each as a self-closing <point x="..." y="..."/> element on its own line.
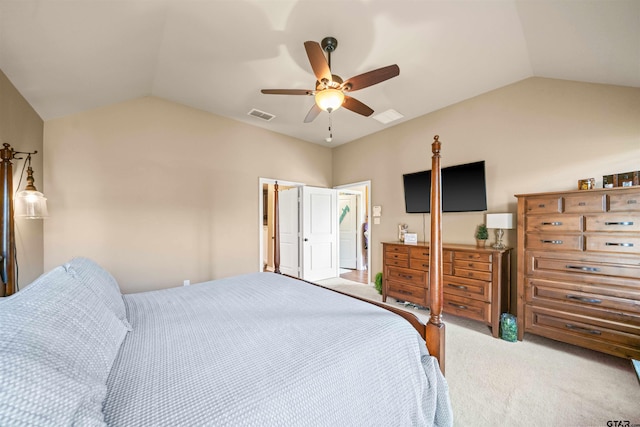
<point x="469" y="288"/>
<point x="613" y="222"/>
<point x="616" y="303"/>
<point x="406" y="292"/>
<point x="554" y="223"/>
<point x="419" y="264"/>
<point x="554" y="241"/>
<point x="472" y="274"/>
<point x="541" y="265"/>
<point x="624" y="201"/>
<point x="472" y="265"/>
<point x="615" y="243"/>
<point x="397" y="262"/>
<point x="550" y="204"/>
<point x="395" y="253"/>
<point x="472" y="309"/>
<point x="419" y="253"/>
<point x="472" y="256"/>
<point x="615" y="338"/>
<point x="396" y="249"/>
<point x="405" y="275"/>
<point x="582" y="203"/>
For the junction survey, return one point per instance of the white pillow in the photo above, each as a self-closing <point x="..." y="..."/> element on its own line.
<point x="55" y="334"/>
<point x="101" y="282"/>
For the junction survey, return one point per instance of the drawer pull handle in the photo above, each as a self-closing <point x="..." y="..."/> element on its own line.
<point x="626" y="245"/>
<point x="462" y="307"/>
<point x="553" y="242"/>
<point x="425" y="265"/>
<point x="405" y="276"/>
<point x="619" y="223"/>
<point x="554" y="223"/>
<point x="631" y="202"/>
<point x="584" y="299"/>
<point x="404" y="292"/>
<point x="582" y="204"/>
<point x="580" y="329"/>
<point x="582" y="268"/>
<point x="464" y="288"/>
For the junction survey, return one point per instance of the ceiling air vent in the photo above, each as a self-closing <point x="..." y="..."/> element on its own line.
<point x="261" y="115"/>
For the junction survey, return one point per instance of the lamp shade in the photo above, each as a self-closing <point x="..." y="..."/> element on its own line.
<point x="329" y="99"/>
<point x="500" y="220"/>
<point x="31" y="205"/>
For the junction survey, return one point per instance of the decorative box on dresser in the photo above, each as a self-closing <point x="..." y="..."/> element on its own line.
<point x="476" y="281"/>
<point x="579" y="268"/>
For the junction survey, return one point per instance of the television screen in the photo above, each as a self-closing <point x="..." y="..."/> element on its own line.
<point x="463" y="189"/>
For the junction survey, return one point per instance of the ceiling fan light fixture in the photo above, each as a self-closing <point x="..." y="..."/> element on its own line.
<point x="329" y="99"/>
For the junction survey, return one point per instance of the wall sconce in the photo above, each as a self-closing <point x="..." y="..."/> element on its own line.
<point x="30" y="204"/>
<point x="501" y="222"/>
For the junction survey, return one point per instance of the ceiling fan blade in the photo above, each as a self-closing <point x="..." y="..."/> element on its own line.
<point x="287" y="92"/>
<point x="371" y="78"/>
<point x="318" y="61"/>
<point x="313" y="113"/>
<point x="356" y="106"/>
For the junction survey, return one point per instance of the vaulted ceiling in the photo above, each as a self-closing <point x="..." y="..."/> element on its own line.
<point x="67" y="56"/>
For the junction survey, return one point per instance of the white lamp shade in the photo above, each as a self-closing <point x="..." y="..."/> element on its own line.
<point x="31" y="205"/>
<point x="329" y="99"/>
<point x="500" y="220"/>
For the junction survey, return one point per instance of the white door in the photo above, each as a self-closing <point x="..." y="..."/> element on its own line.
<point x="289" y="231"/>
<point x="348" y="219"/>
<point x="320" y="233"/>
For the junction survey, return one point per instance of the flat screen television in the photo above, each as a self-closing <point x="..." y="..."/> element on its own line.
<point x="463" y="189"/>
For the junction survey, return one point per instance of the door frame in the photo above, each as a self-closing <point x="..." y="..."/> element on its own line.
<point x="359" y="209"/>
<point x="261" y="183"/>
<point x="366" y="204"/>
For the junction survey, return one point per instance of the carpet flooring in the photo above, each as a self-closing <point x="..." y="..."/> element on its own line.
<point x="534" y="382"/>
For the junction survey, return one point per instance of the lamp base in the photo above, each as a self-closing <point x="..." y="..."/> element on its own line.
<point x="498" y="244"/>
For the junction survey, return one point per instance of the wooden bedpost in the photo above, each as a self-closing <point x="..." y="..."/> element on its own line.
<point x="435" y="336"/>
<point x="276" y="230"/>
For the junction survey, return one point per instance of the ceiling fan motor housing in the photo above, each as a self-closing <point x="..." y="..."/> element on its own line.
<point x="329" y="44"/>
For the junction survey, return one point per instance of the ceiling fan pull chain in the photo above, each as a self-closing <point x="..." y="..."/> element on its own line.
<point x="330" y="137"/>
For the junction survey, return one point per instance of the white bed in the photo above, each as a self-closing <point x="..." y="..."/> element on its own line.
<point x="259" y="349"/>
<point x="252" y="350"/>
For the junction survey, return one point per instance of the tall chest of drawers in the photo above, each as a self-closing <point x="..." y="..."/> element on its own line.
<point x="579" y="268"/>
<point x="476" y="281"/>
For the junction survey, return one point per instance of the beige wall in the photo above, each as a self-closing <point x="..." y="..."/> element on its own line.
<point x="158" y="193"/>
<point x="125" y="182"/>
<point x="536" y="135"/>
<point x="22" y="128"/>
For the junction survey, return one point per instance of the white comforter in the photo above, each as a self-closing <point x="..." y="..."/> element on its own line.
<point x="265" y="350"/>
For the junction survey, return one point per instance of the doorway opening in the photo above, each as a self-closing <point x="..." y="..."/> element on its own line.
<point x="350" y="256"/>
<point x="354" y="231"/>
<point x="289" y="230"/>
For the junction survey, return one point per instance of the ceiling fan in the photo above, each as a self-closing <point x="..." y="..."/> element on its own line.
<point x="330" y="92"/>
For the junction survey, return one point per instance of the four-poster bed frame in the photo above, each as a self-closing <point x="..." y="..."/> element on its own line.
<point x="434" y="331"/>
<point x="263" y="348"/>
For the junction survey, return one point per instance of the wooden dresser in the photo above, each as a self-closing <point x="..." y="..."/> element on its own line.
<point x="476" y="281"/>
<point x="579" y="268"/>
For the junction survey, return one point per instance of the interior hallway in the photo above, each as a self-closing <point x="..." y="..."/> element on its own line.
<point x="360" y="276"/>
